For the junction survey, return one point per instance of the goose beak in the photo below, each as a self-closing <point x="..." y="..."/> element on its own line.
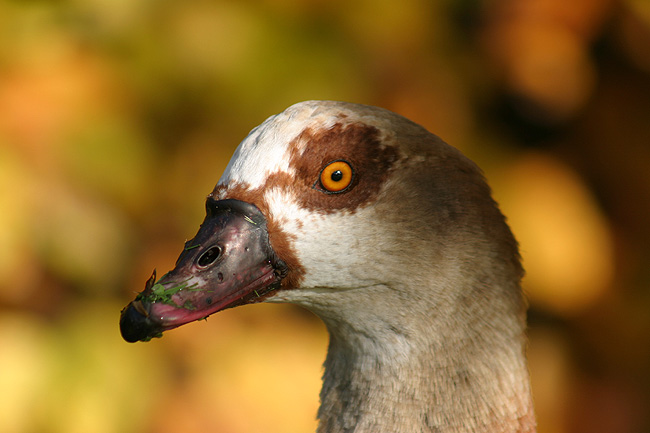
<point x="229" y="262"/>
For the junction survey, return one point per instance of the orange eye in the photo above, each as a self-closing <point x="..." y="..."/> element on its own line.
<point x="336" y="176"/>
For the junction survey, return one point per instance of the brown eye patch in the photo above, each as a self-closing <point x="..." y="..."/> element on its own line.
<point x="362" y="147"/>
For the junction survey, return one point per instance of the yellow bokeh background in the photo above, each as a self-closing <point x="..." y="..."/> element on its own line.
<point x="117" y="118"/>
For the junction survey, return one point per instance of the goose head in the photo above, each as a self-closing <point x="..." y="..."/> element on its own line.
<point x="392" y="238"/>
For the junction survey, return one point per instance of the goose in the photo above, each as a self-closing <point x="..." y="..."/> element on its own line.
<point x="392" y="238"/>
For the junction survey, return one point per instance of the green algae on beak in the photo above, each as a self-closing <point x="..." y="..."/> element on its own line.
<point x="157" y="292"/>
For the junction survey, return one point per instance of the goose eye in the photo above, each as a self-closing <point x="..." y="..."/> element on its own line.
<point x="336" y="176"/>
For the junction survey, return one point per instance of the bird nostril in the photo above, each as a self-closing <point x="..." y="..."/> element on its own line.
<point x="209" y="257"/>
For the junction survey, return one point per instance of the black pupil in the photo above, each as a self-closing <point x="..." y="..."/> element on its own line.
<point x="209" y="256"/>
<point x="337" y="175"/>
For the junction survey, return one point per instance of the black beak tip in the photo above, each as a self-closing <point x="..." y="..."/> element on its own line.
<point x="134" y="326"/>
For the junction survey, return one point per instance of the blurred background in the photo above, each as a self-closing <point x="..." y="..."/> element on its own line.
<point x="117" y="118"/>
